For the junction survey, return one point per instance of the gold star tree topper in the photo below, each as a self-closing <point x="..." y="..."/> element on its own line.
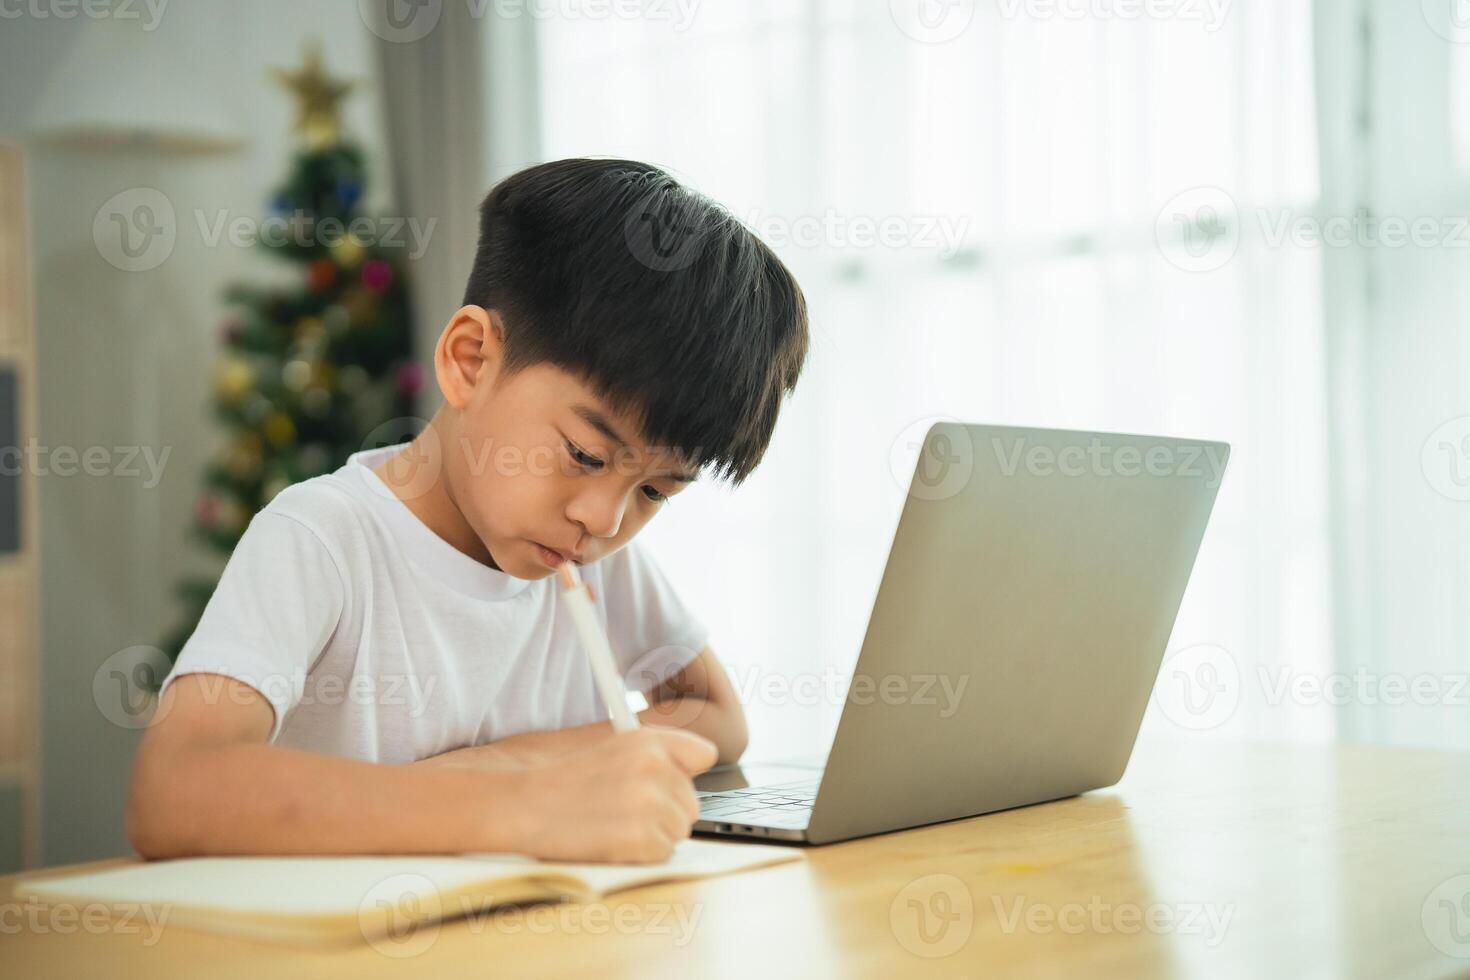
<point x="318" y="98"/>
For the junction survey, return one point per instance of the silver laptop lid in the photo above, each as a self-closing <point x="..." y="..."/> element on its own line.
<point x="1029" y="594"/>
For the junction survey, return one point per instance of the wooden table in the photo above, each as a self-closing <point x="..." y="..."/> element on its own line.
<point x="1208" y="860"/>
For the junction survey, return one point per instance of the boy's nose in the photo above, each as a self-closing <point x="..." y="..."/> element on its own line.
<point x="600" y="512"/>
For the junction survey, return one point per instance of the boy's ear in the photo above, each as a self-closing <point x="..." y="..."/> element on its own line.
<point x="469" y="353"/>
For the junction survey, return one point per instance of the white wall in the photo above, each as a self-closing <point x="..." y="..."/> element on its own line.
<point x="126" y="357"/>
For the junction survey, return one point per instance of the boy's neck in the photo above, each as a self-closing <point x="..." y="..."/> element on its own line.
<point x="434" y="505"/>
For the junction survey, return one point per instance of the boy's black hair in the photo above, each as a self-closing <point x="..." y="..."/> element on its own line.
<point x="669" y="308"/>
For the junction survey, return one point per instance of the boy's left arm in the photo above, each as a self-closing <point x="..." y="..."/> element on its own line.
<point x="699" y="698"/>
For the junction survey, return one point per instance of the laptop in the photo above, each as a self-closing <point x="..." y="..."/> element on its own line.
<point x="1030" y="590"/>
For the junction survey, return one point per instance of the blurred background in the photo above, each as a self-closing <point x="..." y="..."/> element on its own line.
<point x="1245" y="220"/>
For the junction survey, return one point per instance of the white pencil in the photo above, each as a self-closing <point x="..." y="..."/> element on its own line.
<point x="599" y="653"/>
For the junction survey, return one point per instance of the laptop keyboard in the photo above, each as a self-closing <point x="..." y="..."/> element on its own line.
<point x="787" y="805"/>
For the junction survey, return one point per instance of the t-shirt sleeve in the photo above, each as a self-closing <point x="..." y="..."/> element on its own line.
<point x="653" y="633"/>
<point x="272" y="613"/>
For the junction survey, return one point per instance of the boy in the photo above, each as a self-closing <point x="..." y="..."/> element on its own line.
<point x="385" y="665"/>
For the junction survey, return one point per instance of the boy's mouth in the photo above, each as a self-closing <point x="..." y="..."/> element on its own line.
<point x="553" y="557"/>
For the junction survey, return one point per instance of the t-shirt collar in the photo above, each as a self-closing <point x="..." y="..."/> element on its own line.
<point x="421" y="544"/>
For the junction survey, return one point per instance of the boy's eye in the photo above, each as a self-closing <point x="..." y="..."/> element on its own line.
<point x="583" y="459"/>
<point x="591" y="462"/>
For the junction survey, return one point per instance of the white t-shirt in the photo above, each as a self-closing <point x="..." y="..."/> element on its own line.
<point x="374" y="638"/>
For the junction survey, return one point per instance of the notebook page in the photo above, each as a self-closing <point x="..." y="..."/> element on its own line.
<point x="338" y="885"/>
<point x="275" y="885"/>
<point x="692" y="858"/>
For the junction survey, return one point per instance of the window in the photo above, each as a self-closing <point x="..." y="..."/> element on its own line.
<point x="1035" y="176"/>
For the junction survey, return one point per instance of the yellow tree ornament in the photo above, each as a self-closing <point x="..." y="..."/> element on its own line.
<point x="318" y="99"/>
<point x="234" y="379"/>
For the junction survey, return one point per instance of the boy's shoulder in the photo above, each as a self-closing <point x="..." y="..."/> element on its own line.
<point x="329" y="505"/>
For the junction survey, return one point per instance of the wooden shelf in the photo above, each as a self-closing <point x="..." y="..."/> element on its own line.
<point x="19" y="550"/>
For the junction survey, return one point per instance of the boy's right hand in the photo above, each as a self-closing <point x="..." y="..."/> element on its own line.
<point x="628" y="798"/>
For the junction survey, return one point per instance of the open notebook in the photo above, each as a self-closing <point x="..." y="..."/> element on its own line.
<point x="322" y="900"/>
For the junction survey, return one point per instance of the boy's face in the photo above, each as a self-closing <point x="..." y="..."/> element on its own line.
<point x="540" y="462"/>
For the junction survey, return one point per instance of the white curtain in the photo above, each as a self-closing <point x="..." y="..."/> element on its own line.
<point x="1395" y="97"/>
<point x="460" y="110"/>
<point x="1086" y="223"/>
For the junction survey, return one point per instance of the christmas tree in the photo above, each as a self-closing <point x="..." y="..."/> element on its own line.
<point x="311" y="370"/>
